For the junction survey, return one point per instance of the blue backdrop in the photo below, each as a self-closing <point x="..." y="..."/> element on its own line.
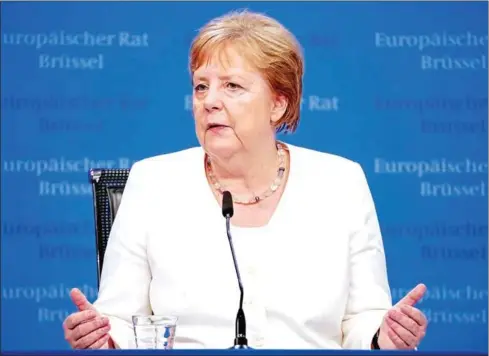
<point x="399" y="87"/>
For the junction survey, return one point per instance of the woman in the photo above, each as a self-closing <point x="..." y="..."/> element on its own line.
<point x="305" y="227"/>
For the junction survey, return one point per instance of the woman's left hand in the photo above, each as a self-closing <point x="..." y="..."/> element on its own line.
<point x="404" y="326"/>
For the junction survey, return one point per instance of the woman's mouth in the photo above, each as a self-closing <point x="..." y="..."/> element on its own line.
<point x="216" y="128"/>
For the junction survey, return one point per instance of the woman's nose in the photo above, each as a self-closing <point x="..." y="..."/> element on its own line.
<point x="212" y="100"/>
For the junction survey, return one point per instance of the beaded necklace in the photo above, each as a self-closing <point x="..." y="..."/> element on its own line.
<point x="281" y="157"/>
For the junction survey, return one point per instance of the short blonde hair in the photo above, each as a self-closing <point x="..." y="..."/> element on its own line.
<point x="267" y="45"/>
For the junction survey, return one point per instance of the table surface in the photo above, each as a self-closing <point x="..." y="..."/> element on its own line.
<point x="234" y="352"/>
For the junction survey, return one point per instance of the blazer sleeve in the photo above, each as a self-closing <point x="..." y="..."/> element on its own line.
<point x="369" y="293"/>
<point x="126" y="276"/>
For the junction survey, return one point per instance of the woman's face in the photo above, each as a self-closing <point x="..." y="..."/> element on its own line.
<point x="233" y="105"/>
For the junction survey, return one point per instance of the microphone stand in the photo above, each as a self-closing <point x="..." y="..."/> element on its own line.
<point x="240" y="340"/>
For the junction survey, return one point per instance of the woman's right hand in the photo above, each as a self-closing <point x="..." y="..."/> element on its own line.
<point x="86" y="328"/>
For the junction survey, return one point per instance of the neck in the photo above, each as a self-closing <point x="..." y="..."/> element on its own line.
<point x="247" y="172"/>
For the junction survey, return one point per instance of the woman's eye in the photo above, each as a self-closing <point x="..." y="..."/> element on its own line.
<point x="199" y="87"/>
<point x="233" y="86"/>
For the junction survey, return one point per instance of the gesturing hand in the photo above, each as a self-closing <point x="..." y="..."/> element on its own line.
<point x="86" y="329"/>
<point x="404" y="326"/>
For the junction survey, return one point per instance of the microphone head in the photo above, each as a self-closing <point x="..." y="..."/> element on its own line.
<point x="227" y="204"/>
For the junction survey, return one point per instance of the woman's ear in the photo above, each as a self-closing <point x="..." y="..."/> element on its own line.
<point x="279" y="107"/>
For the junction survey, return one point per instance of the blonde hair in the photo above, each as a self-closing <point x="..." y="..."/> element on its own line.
<point x="267" y="45"/>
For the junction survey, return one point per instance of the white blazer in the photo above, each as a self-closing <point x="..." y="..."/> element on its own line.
<point x="314" y="277"/>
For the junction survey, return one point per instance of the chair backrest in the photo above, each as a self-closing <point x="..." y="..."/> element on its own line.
<point x="107" y="187"/>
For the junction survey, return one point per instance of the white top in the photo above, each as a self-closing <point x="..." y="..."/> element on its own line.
<point x="314" y="277"/>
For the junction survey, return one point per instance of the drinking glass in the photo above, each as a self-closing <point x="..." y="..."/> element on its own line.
<point x="154" y="331"/>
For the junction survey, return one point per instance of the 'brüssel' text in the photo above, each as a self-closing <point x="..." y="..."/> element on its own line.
<point x="92" y="61"/>
<point x="434" y="42"/>
<point x="437" y="190"/>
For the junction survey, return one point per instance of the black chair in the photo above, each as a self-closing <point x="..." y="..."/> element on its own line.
<point x="107" y="187"/>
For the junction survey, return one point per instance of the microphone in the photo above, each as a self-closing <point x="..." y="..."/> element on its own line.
<point x="240" y="340"/>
